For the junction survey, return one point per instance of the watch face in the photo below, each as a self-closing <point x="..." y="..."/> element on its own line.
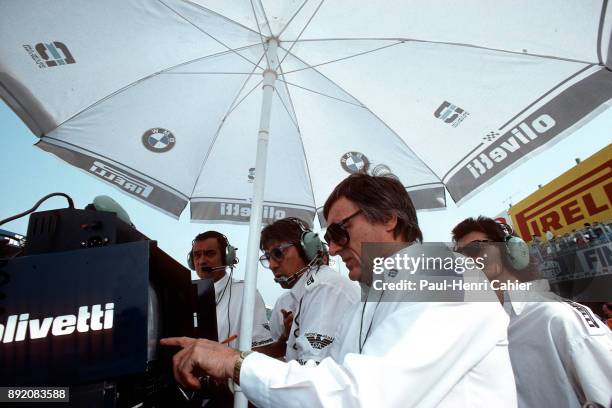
<point x="238" y="365"/>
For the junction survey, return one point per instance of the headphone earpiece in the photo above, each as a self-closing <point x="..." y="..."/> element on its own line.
<point x="190" y="259"/>
<point x="230" y="254"/>
<point x="309" y="241"/>
<point x="517" y="250"/>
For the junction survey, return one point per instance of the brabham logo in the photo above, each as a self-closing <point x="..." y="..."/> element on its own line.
<point x="450" y="113"/>
<point x="18" y="327"/>
<point x="120" y="178"/>
<point x="512" y="142"/>
<point x="51" y="54"/>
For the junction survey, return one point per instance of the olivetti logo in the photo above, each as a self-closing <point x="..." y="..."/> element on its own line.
<point x="509" y="143"/>
<point x="235" y="210"/>
<point x="125" y="181"/>
<point x="19" y="327"/>
<point x="52" y="54"/>
<point x="451" y="114"/>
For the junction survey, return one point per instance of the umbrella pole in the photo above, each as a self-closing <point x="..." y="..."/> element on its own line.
<point x="250" y="279"/>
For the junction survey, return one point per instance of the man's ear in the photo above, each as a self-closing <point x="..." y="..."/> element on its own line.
<point x="390" y="222"/>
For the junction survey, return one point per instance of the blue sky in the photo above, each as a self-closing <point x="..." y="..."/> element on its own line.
<point x="30" y="173"/>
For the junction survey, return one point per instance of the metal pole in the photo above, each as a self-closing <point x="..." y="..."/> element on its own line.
<point x="250" y="279"/>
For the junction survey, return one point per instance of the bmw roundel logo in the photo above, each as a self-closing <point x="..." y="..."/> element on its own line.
<point x="354" y="162"/>
<point x="158" y="140"/>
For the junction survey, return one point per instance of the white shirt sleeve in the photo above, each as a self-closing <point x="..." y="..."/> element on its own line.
<point x="589" y="362"/>
<point x="320" y="314"/>
<point x="261" y="330"/>
<point x="415" y="357"/>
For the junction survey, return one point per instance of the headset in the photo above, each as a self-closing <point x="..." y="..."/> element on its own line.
<point x="312" y="248"/>
<point x="230" y="257"/>
<point x="310" y="242"/>
<point x="516" y="250"/>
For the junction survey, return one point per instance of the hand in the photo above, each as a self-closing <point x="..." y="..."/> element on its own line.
<point x="200" y="357"/>
<point x="287" y="323"/>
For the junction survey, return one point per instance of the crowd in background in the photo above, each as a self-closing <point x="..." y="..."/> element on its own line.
<point x="597" y="233"/>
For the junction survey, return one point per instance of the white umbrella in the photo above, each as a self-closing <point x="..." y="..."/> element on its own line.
<point x="159" y="98"/>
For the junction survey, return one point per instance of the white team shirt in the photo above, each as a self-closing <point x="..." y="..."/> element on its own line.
<point x="229" y="297"/>
<point x="422" y="354"/>
<point x="321" y="297"/>
<point x="561" y="352"/>
<point x="277" y="326"/>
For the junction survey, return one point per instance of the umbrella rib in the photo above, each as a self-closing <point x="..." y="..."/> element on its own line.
<point x="320" y="93"/>
<point x="286" y="109"/>
<point x="425" y="184"/>
<point x="263" y="10"/>
<point x="230" y="110"/>
<point x="163" y="71"/>
<point x="232" y="106"/>
<point x="405" y="40"/>
<point x="301" y="139"/>
<point x="217" y="54"/>
<point x="292" y="17"/>
<point x="344" y="58"/>
<point x="244" y="97"/>
<point x="602" y="18"/>
<point x="204" y="32"/>
<point x="261" y="37"/>
<point x="402" y="141"/>
<point x="204" y="73"/>
<point x="220" y="15"/>
<point x="301" y="32"/>
<point x="282" y="72"/>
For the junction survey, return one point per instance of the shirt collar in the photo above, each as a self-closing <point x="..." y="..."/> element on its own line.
<point x="297" y="291"/>
<point x="518" y="299"/>
<point x="220" y="284"/>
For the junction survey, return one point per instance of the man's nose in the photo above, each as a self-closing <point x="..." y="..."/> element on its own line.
<point x="273" y="263"/>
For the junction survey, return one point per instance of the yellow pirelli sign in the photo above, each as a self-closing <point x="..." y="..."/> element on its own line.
<point x="581" y="194"/>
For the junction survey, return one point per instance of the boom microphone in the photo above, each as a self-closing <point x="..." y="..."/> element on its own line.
<point x="211" y="269"/>
<point x="287" y="281"/>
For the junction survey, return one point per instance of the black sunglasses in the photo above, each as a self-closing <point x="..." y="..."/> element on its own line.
<point x="276" y="253"/>
<point x="337" y="232"/>
<point x="472" y="249"/>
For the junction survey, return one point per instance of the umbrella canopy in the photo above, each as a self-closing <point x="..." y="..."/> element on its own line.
<point x="162" y="99"/>
<point x="159" y="98"/>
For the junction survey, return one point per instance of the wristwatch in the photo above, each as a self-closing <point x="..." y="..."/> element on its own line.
<point x="238" y="365"/>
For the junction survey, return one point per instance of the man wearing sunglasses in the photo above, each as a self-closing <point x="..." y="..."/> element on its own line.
<point x="561" y="354"/>
<point x="387" y="353"/>
<point x="318" y="296"/>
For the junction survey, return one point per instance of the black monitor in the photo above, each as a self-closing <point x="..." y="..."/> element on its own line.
<point x="205" y="309"/>
<point x="91" y="319"/>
